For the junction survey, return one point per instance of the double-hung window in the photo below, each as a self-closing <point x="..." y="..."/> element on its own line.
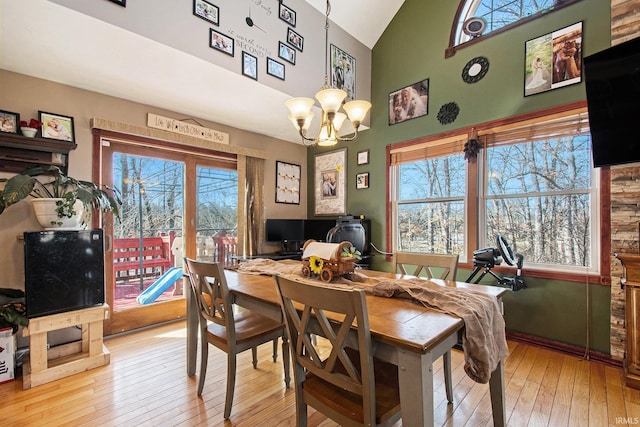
<point x="532" y="182"/>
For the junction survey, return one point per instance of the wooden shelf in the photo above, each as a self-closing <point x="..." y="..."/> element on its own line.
<point x="18" y="153"/>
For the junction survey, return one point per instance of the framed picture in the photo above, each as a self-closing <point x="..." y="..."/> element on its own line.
<point x="288" y="15"/>
<point x="220" y="41"/>
<point x="287" y="183"/>
<point x="249" y="65"/>
<point x="330" y="183"/>
<point x="343" y="72"/>
<point x="553" y="60"/>
<point x="363" y="157"/>
<point x="409" y="102"/>
<point x="287" y="53"/>
<point x="362" y="180"/>
<point x="9" y="122"/>
<point x="275" y="68"/>
<point x="207" y="11"/>
<point x="122" y="3"/>
<point x="55" y="126"/>
<point x="294" y="39"/>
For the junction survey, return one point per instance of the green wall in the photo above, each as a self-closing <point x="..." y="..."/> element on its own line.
<point x="412" y="49"/>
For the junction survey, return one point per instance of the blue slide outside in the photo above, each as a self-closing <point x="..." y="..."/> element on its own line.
<point x="159" y="286"/>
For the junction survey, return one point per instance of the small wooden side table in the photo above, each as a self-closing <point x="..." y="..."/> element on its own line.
<point x="45" y="365"/>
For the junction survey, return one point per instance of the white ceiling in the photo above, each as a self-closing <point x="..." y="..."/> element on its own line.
<point x="156" y="74"/>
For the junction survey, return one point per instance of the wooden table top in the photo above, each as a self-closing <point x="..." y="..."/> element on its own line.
<point x="396" y="321"/>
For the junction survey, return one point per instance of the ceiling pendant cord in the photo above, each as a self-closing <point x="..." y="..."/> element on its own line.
<point x="326" y="45"/>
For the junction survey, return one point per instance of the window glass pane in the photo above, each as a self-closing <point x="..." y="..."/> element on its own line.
<point x="433" y="222"/>
<point x="538" y="196"/>
<point x="431" y="227"/>
<point x="433" y="178"/>
<point x="500" y="13"/>
<point x="553" y="165"/>
<point x="217" y="214"/>
<point x="547" y="230"/>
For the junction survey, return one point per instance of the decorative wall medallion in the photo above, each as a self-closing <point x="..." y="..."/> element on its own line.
<point x="475" y="69"/>
<point x="448" y="113"/>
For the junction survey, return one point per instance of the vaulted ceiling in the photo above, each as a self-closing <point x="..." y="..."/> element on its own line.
<point x="47" y="45"/>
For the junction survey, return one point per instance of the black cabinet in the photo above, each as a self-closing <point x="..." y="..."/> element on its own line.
<point x="18" y="153"/>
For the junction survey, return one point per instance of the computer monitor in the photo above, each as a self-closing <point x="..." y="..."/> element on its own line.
<point x="280" y="230"/>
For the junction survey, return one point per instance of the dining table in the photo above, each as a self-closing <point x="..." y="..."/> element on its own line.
<point x="407" y="334"/>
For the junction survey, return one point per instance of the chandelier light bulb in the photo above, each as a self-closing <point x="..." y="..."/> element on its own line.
<point x="357" y="110"/>
<point x="299" y="107"/>
<point x="331" y="99"/>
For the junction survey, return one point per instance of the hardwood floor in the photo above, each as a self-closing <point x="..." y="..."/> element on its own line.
<point x="146" y="385"/>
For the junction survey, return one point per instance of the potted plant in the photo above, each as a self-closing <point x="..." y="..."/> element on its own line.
<point x="12" y="309"/>
<point x="70" y="197"/>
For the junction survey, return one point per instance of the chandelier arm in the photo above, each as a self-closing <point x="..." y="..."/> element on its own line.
<point x="347" y="138"/>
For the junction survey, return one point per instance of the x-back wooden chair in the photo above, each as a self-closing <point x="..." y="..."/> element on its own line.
<point x="231" y="333"/>
<point x="447" y="265"/>
<point x="349" y="386"/>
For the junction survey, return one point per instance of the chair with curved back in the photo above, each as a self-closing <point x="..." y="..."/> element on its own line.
<point x="447" y="266"/>
<point x="231" y="333"/>
<point x="349" y="386"/>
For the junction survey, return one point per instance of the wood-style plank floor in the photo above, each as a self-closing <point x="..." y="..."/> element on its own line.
<point x="146" y="385"/>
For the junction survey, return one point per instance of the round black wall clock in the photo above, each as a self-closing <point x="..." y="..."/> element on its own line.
<point x="475" y="69"/>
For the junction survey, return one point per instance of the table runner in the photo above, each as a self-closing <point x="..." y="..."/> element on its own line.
<point x="483" y="338"/>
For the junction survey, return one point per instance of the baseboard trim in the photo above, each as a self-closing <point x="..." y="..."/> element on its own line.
<point x="563" y="348"/>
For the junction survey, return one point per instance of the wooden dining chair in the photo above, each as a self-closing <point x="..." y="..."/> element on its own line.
<point x="447" y="267"/>
<point x="231" y="332"/>
<point x="349" y="386"/>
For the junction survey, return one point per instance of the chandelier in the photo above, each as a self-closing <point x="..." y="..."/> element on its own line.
<point x="331" y="99"/>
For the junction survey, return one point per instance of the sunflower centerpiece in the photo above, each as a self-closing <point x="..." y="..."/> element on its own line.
<point x="328" y="260"/>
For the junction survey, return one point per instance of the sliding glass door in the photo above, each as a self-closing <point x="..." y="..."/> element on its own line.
<point x="174" y="205"/>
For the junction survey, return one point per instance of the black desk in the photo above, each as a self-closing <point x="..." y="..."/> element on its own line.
<point x="274" y="256"/>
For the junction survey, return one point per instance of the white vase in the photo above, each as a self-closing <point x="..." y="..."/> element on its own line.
<point x="27" y="131"/>
<point x="45" y="210"/>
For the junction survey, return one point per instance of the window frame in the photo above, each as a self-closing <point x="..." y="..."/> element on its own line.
<point x="599" y="273"/>
<point x="465" y="6"/>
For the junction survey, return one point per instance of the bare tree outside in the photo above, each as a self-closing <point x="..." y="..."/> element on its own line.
<point x="537" y="194"/>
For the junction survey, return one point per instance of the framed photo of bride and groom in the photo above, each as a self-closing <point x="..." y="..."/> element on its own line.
<point x="553" y="60"/>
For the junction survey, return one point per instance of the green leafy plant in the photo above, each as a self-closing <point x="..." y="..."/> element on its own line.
<point x="13" y="313"/>
<point x="51" y="182"/>
<point x="352" y="252"/>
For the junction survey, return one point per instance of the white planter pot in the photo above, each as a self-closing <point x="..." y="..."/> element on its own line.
<point x="45" y="210"/>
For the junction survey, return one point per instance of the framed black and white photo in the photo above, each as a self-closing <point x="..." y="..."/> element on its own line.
<point x="249" y="65"/>
<point x="122" y="3"/>
<point x="288" y="15"/>
<point x="275" y="68"/>
<point x="343" y="72"/>
<point x="409" y="102"/>
<point x="362" y="180"/>
<point x="56" y="126"/>
<point x="221" y="42"/>
<point x="295" y="39"/>
<point x="9" y="121"/>
<point x="287" y="183"/>
<point x="207" y="11"/>
<point x="330" y="183"/>
<point x="287" y="53"/>
<point x="553" y="60"/>
<point x="363" y="157"/>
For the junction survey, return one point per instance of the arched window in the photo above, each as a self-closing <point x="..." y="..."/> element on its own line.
<point x="476" y="19"/>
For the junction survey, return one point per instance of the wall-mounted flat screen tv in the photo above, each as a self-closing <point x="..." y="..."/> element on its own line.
<point x="612" y="81"/>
